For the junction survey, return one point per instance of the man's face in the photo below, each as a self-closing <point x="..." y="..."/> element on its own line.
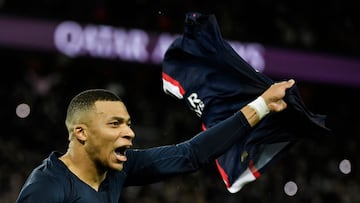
<point x="109" y="135"/>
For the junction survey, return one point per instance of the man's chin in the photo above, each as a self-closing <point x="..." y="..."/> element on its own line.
<point x="117" y="166"/>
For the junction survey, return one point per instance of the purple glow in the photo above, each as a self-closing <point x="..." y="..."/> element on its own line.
<point x="100" y="41"/>
<point x="312" y="67"/>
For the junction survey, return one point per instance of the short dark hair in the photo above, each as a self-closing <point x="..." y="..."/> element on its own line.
<point x="85" y="100"/>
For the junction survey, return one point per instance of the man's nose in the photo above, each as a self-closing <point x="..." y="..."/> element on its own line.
<point x="129" y="133"/>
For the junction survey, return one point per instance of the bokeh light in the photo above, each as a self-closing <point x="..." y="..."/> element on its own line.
<point x="290" y="188"/>
<point x="345" y="166"/>
<point x="23" y="110"/>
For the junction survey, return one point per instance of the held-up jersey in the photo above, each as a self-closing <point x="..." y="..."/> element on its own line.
<point x="53" y="182"/>
<point x="203" y="70"/>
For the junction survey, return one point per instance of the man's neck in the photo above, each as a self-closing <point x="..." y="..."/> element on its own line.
<point x="84" y="169"/>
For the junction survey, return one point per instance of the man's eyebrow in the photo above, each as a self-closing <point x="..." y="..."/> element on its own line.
<point x="122" y="119"/>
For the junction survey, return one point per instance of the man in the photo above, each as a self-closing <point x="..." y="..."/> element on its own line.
<point x="99" y="161"/>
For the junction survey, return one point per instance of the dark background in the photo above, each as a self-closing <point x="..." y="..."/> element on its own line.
<point x="47" y="81"/>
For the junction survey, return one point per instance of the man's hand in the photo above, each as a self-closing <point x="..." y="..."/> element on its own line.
<point x="274" y="95"/>
<point x="270" y="101"/>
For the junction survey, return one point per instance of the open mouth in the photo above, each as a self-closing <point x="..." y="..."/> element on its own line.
<point x="121" y="150"/>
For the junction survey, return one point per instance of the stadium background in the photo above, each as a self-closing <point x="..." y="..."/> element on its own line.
<point x="323" y="170"/>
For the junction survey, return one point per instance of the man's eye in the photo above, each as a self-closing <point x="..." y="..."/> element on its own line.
<point x="115" y="123"/>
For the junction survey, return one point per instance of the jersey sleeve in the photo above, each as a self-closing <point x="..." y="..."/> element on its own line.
<point x="155" y="164"/>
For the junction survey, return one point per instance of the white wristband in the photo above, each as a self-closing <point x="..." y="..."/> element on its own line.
<point x="260" y="107"/>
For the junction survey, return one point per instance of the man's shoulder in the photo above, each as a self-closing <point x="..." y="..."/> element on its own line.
<point x="50" y="171"/>
<point x="47" y="181"/>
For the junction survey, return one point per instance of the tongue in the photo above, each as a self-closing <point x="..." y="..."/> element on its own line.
<point x="121" y="157"/>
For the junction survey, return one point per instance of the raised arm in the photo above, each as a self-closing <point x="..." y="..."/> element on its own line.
<point x="151" y="165"/>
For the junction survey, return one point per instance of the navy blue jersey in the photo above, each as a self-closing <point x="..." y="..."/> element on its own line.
<point x="202" y="69"/>
<point x="53" y="182"/>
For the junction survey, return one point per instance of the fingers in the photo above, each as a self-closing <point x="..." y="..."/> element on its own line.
<point x="281" y="104"/>
<point x="288" y="83"/>
<point x="274" y="95"/>
<point x="277" y="106"/>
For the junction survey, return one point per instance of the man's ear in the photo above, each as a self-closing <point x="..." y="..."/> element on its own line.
<point x="80" y="132"/>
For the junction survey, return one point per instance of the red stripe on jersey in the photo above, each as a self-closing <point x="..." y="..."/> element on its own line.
<point x="223" y="174"/>
<point x="174" y="82"/>
<point x="254" y="170"/>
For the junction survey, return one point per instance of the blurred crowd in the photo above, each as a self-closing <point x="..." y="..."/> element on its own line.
<point x="47" y="81"/>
